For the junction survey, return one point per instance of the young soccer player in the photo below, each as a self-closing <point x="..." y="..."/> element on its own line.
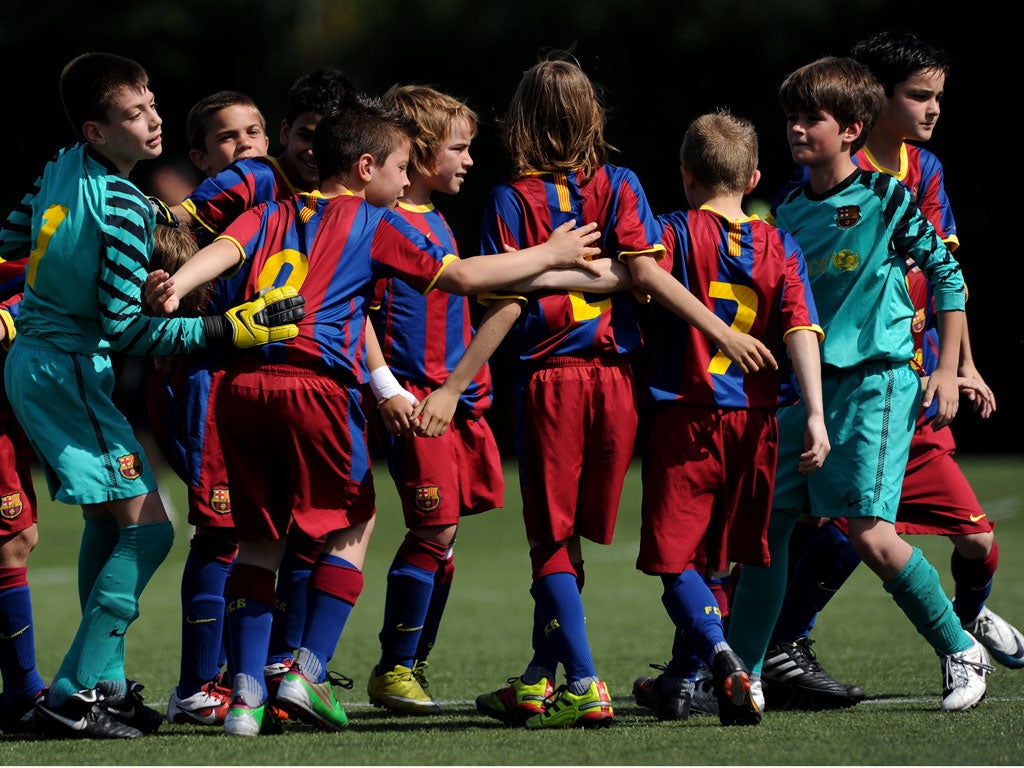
<point x="458" y="473"/>
<point x="857" y="229"/>
<point x="340" y="241"/>
<point x="84" y="217"/>
<point x="709" y="460"/>
<point x="936" y="497"/>
<point x="19" y="534"/>
<point x="574" y="378"/>
<point x="224" y="136"/>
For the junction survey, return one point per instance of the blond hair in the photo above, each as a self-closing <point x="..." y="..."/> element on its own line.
<point x="556" y="120"/>
<point x="720" y="150"/>
<point x="435" y="114"/>
<point x="172" y="247"/>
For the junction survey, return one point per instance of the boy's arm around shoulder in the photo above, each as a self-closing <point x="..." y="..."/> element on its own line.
<point x="744" y="350"/>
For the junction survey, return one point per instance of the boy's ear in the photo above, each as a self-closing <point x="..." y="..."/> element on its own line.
<point x="853" y="131"/>
<point x="200" y="160"/>
<point x="755" y="178"/>
<point x="283" y="137"/>
<point x="93" y="132"/>
<point x="365" y="167"/>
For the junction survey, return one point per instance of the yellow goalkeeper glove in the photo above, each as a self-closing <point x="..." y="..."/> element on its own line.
<point x="271" y="315"/>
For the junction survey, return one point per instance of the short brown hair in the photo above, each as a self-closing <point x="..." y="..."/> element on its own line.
<point x="89" y="84"/>
<point x="720" y="150"/>
<point x="172" y="247"/>
<point x="840" y="86"/>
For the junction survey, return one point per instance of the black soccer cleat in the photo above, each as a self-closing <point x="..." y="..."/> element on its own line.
<point x="129" y="709"/>
<point x="736" y="705"/>
<point x="795" y="680"/>
<point x="80" y="717"/>
<point x="669" y="697"/>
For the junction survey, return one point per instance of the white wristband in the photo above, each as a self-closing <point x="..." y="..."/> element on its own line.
<point x="385" y="386"/>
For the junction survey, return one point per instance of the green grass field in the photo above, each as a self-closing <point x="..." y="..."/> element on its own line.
<point x="861" y="637"/>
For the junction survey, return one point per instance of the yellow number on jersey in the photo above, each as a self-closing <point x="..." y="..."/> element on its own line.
<point x="52" y="218"/>
<point x="746" y="311"/>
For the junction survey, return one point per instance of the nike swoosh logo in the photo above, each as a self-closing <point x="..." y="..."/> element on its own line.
<point x="75" y="725"/>
<point x="976" y="518"/>
<point x="13" y="635"/>
<point x="825" y="588"/>
<point x="190" y="620"/>
<point x="115" y="633"/>
<point x="403" y="628"/>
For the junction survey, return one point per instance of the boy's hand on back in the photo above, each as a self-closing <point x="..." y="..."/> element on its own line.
<point x="750" y="354"/>
<point x="572" y="245"/>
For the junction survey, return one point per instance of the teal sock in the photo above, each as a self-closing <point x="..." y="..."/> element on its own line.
<point x="918" y="592"/>
<point x="99" y="537"/>
<point x="113" y="604"/>
<point x="757" y="601"/>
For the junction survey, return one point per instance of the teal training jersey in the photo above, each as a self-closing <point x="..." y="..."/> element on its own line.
<point x="91" y="236"/>
<point x="856" y="239"/>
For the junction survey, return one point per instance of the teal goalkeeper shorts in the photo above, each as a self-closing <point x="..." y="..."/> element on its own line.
<point x="870" y="412"/>
<point x="87" y="448"/>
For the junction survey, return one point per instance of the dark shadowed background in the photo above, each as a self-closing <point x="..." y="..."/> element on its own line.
<point x="660" y="65"/>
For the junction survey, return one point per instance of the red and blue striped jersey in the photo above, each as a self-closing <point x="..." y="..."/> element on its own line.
<point x="244" y="184"/>
<point x="523" y="213"/>
<point x="921" y="172"/>
<point x="333" y="250"/>
<point x="423" y="337"/>
<point x="751" y="275"/>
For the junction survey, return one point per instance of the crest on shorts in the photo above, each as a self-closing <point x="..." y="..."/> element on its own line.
<point x="845" y="261"/>
<point x="847" y="216"/>
<point x="11" y="506"/>
<point x="918" y="322"/>
<point x="220" y="500"/>
<point x="428" y="498"/>
<point x="130" y="466"/>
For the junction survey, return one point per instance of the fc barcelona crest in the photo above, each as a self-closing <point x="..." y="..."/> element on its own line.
<point x="11" y="506"/>
<point x="847" y="216"/>
<point x="220" y="501"/>
<point x="130" y="466"/>
<point x="428" y="498"/>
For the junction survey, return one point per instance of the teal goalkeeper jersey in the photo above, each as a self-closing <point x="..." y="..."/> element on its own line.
<point x="91" y="233"/>
<point x="856" y="239"/>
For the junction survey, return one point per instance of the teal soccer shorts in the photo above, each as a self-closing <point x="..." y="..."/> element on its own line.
<point x="869" y="414"/>
<point x="87" y="448"/>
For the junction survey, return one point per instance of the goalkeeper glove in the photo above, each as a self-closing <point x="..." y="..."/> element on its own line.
<point x="163" y="212"/>
<point x="267" y="317"/>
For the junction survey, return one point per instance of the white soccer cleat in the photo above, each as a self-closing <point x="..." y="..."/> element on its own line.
<point x="1001" y="639"/>
<point x="963" y="678"/>
<point x="757" y="691"/>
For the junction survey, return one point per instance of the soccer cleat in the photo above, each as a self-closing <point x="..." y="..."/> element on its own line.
<point x="243" y="720"/>
<point x="669" y="700"/>
<point x="208" y="706"/>
<point x="273" y="674"/>
<point x="17" y="718"/>
<point x="757" y="691"/>
<point x="704" y="701"/>
<point x="399" y="690"/>
<point x="592" y="709"/>
<point x="516" y="702"/>
<point x="80" y="717"/>
<point x="795" y="679"/>
<point x="1002" y="640"/>
<point x="736" y="706"/>
<point x="129" y="708"/>
<point x="963" y="678"/>
<point x="315" y="703"/>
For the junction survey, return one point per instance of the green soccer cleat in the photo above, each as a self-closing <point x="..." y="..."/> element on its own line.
<point x="592" y="709"/>
<point x="516" y="702"/>
<point x="315" y="703"/>
<point x="243" y="720"/>
<point x="399" y="690"/>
